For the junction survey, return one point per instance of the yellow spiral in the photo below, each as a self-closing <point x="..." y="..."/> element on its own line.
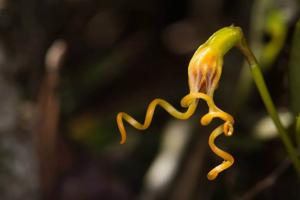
<point x="149" y="115"/>
<point x="228" y="159"/>
<point x="190" y="101"/>
<point x="226" y="128"/>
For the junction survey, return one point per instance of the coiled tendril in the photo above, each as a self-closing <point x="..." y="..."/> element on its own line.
<point x="204" y="72"/>
<point x="190" y="101"/>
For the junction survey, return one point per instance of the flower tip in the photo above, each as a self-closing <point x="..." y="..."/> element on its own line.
<point x="123" y="140"/>
<point x="228" y="129"/>
<point x="212" y="175"/>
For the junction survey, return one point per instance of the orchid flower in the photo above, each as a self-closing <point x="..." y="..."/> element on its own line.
<point x="204" y="72"/>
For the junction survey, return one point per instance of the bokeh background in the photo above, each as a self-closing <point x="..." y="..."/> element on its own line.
<point x="67" y="67"/>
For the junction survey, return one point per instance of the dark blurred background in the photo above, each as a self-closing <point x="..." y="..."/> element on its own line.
<point x="67" y="67"/>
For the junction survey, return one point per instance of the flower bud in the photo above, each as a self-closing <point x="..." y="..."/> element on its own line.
<point x="205" y="70"/>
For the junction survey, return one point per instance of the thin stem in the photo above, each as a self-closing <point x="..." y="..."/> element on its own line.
<point x="298" y="131"/>
<point x="267" y="100"/>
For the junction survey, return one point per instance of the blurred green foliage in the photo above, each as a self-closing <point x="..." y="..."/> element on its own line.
<point x="294" y="71"/>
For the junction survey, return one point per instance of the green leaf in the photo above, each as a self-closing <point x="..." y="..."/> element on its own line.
<point x="294" y="71"/>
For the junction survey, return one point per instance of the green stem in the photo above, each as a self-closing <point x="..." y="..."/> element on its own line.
<point x="298" y="130"/>
<point x="265" y="95"/>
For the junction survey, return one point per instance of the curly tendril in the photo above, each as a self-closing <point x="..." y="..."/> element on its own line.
<point x="204" y="72"/>
<point x="190" y="101"/>
<point x="149" y="115"/>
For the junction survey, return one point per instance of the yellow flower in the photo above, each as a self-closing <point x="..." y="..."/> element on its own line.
<point x="204" y="70"/>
